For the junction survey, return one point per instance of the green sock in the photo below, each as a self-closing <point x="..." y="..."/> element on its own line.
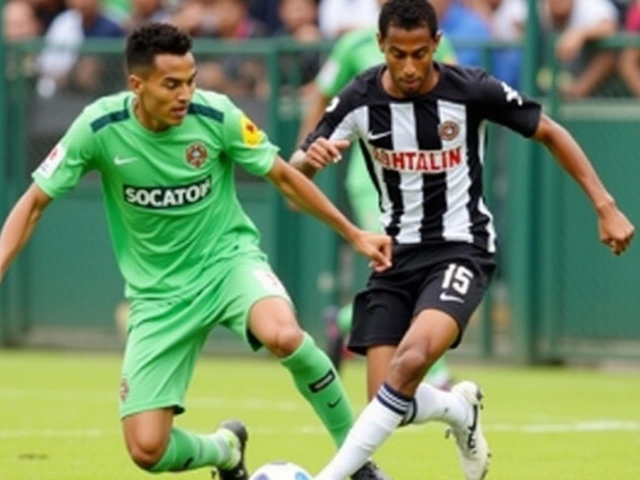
<point x="188" y="451"/>
<point x="319" y="383"/>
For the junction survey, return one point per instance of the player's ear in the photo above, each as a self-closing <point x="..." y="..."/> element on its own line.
<point x="135" y="83"/>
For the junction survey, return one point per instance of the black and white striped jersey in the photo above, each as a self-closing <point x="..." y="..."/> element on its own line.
<point x="425" y="154"/>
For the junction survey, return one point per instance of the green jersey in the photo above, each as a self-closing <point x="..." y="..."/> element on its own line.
<point x="170" y="196"/>
<point x="354" y="53"/>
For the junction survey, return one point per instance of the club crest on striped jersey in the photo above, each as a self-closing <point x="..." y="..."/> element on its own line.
<point x="196" y="155"/>
<point x="448" y="130"/>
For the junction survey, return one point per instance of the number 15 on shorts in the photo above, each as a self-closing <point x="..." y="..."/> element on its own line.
<point x="457" y="280"/>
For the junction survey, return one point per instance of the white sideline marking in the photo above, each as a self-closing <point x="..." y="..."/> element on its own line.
<point x="530" y="429"/>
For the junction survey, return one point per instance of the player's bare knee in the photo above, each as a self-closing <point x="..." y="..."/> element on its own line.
<point x="146" y="452"/>
<point x="285" y="341"/>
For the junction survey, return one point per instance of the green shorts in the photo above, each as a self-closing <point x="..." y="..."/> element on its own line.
<point x="165" y="337"/>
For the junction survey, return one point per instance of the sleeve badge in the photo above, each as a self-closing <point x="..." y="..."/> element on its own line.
<point x="251" y="134"/>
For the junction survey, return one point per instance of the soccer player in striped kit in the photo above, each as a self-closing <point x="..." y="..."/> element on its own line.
<point x="353" y="53"/>
<point x="421" y="127"/>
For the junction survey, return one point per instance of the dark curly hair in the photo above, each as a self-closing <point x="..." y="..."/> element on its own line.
<point x="151" y="39"/>
<point x="408" y="15"/>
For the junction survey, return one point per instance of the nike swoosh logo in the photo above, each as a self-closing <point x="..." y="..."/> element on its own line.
<point x="335" y="403"/>
<point x="376" y="136"/>
<point x="124" y="160"/>
<point x="445" y="297"/>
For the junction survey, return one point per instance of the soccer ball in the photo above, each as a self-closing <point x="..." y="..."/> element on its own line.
<point x="281" y="471"/>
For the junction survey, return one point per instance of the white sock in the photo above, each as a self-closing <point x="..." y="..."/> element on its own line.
<point x="374" y="425"/>
<point x="431" y="403"/>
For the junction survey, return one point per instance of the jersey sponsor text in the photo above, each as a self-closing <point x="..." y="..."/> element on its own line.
<point x="168" y="197"/>
<point x="427" y="161"/>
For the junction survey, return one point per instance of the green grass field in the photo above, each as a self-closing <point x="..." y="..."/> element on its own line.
<point x="58" y="420"/>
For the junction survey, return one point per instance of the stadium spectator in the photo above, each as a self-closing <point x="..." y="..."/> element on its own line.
<point x="506" y="20"/>
<point x="47" y="10"/>
<point x="299" y="20"/>
<point x="463" y="24"/>
<point x="622" y="6"/>
<point x="230" y="21"/>
<point x="576" y="23"/>
<point x="267" y="13"/>
<point x="142" y="11"/>
<point x="59" y="63"/>
<point x="190" y="256"/>
<point x="629" y="63"/>
<point x="198" y="17"/>
<point x="340" y="16"/>
<point x="422" y="128"/>
<point x="19" y="23"/>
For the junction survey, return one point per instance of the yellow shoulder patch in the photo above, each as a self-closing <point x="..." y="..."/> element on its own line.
<point x="251" y="134"/>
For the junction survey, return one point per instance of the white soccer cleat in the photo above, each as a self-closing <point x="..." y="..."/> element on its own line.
<point x="473" y="450"/>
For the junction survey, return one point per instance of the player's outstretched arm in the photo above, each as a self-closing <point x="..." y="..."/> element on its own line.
<point x="615" y="230"/>
<point x="304" y="194"/>
<point x="20" y="224"/>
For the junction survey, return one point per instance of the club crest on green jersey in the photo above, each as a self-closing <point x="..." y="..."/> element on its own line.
<point x="196" y="155"/>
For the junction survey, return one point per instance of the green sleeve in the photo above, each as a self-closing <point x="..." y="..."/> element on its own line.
<point x="445" y="52"/>
<point x="339" y="68"/>
<point x="245" y="143"/>
<point x="69" y="160"/>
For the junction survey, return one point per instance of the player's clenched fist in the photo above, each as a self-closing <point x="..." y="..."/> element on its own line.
<point x="616" y="231"/>
<point x="323" y="152"/>
<point x="376" y="247"/>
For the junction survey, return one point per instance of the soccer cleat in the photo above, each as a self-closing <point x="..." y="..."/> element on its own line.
<point x="369" y="471"/>
<point x="239" y="439"/>
<point x="473" y="450"/>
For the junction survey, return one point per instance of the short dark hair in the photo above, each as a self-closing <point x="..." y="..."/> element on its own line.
<point x="408" y="15"/>
<point x="154" y="38"/>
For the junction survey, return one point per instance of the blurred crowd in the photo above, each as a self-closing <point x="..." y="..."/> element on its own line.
<point x="66" y="24"/>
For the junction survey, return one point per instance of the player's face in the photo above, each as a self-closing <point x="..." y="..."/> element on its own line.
<point x="164" y="92"/>
<point x="409" y="58"/>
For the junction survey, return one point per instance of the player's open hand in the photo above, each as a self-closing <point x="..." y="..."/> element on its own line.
<point x="324" y="152"/>
<point x="616" y="231"/>
<point x="376" y="247"/>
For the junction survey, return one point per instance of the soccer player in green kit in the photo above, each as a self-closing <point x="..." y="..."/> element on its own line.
<point x="187" y="251"/>
<point x="354" y="53"/>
